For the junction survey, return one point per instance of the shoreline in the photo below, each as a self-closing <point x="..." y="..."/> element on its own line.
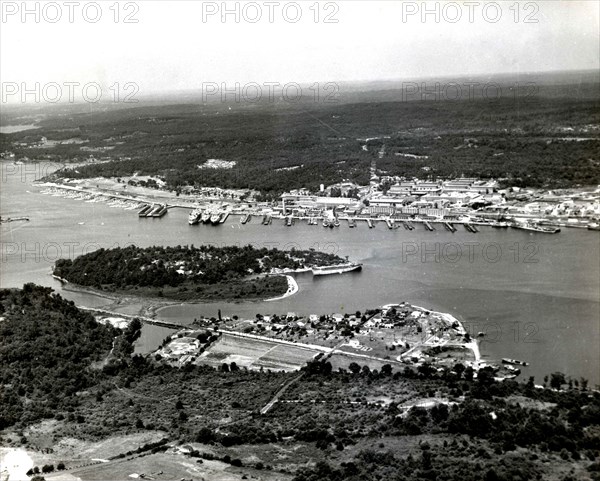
<point x="149" y="306"/>
<point x="473" y="345"/>
<point x="292" y="289"/>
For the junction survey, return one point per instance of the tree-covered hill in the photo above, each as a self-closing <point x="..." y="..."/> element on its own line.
<point x="47" y="348"/>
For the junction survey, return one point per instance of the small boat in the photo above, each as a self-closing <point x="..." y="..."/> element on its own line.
<point x="514" y="361"/>
<point x="205" y="217"/>
<point x="215" y="218"/>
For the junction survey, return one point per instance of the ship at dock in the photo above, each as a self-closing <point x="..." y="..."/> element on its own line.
<point x="537" y="228"/>
<point x="336" y="269"/>
<point x="194" y="216"/>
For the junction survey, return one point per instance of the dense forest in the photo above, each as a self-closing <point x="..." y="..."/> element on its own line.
<point x="356" y="424"/>
<point x="546" y="140"/>
<point x="188" y="272"/>
<point x="47" y="351"/>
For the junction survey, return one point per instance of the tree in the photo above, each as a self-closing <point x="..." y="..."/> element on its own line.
<point x="485" y="376"/>
<point x="354" y="368"/>
<point x="459" y="368"/>
<point x="386" y="370"/>
<point x="557" y="379"/>
<point x="205" y="436"/>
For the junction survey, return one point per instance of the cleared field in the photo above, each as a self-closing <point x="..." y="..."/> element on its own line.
<point x="166" y="467"/>
<point x="256" y="354"/>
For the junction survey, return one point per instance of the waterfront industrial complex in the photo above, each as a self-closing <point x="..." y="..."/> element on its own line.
<point x="393" y="202"/>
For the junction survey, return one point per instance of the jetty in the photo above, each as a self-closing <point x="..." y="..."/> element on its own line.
<point x="449" y="227"/>
<point x="153" y="210"/>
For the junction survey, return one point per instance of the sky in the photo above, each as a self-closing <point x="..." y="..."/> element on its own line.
<point x="183" y="45"/>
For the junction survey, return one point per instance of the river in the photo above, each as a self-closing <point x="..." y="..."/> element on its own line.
<point x="536" y="296"/>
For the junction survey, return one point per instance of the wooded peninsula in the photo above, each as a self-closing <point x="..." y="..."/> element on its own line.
<point x="190" y="273"/>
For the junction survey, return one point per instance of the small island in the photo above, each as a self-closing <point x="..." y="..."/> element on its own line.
<point x="188" y="273"/>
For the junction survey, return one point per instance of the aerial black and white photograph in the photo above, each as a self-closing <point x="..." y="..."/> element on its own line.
<point x="312" y="240"/>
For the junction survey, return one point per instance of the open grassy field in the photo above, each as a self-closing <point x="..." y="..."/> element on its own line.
<point x="256" y="354"/>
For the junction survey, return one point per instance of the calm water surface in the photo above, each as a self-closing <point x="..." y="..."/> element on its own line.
<point x="535" y="296"/>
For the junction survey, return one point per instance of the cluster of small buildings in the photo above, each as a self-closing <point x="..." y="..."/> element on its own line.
<point x="406" y="325"/>
<point x="184" y="346"/>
